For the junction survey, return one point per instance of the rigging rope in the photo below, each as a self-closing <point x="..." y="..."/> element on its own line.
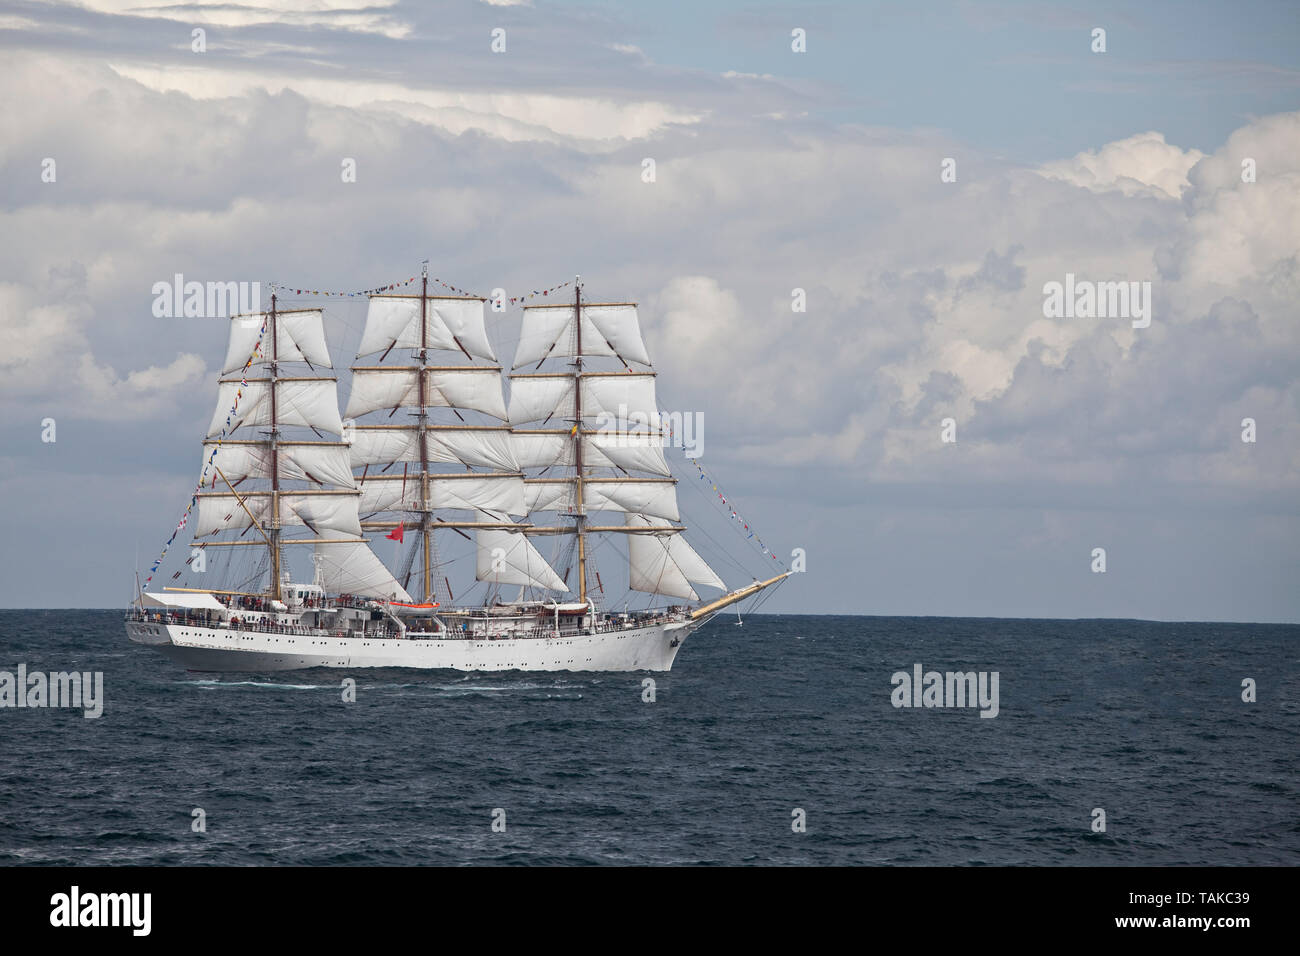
<point x="239" y="392"/>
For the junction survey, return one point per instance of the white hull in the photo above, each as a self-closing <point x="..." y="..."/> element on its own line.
<point x="650" y="648"/>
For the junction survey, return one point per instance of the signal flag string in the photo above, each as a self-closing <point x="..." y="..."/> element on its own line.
<point x="742" y="523"/>
<point x="380" y="290"/>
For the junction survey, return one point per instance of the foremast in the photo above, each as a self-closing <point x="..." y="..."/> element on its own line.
<point x="619" y="464"/>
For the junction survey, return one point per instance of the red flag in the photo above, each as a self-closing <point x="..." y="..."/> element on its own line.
<point x="396" y="533"/>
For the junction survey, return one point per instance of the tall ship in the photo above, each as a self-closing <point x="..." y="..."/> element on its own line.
<point x="427" y="447"/>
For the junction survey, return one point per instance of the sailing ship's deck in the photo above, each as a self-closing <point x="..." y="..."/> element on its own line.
<point x="493" y="623"/>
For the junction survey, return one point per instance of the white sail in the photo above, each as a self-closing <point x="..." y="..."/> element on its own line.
<point x="387" y="495"/>
<point x="351" y="568"/>
<point x="629" y="451"/>
<point x="663" y="563"/>
<point x="478" y="389"/>
<point x="508" y="557"/>
<point x="380" y="446"/>
<point x="614" y="395"/>
<point x="500" y="493"/>
<point x="539" y="449"/>
<point x="221" y="511"/>
<point x="655" y="498"/>
<point x="300" y="338"/>
<point x="549" y="495"/>
<point x="309" y="402"/>
<point x="449" y="324"/>
<point x="536" y="399"/>
<point x="550" y="332"/>
<point x="480" y="447"/>
<point x="320" y="463"/>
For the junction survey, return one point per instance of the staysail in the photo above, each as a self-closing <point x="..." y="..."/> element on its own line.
<point x="663" y="563"/>
<point x="352" y="568"/>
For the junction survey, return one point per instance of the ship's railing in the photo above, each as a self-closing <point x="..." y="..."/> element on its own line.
<point x="150" y="616"/>
<point x="242" y="602"/>
<point x="457" y="630"/>
<point x="202" y="619"/>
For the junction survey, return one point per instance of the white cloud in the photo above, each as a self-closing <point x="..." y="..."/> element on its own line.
<point x="512" y="116"/>
<point x="1143" y="164"/>
<point x="50" y="363"/>
<point x="360" y="16"/>
<point x="9" y="21"/>
<point x="923" y="302"/>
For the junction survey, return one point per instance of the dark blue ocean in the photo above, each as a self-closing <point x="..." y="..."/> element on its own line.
<point x="1143" y="720"/>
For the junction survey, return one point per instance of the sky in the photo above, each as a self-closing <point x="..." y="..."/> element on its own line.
<point x="920" y="171"/>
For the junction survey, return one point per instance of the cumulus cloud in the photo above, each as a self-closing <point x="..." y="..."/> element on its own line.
<point x="924" y="299"/>
<point x="1143" y="164"/>
<point x="923" y="302"/>
<point x="50" y="361"/>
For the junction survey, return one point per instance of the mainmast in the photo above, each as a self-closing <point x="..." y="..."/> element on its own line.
<point x="274" y="540"/>
<point x="579" y="516"/>
<point x="398" y="462"/>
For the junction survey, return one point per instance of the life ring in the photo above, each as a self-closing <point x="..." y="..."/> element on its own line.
<point x="338" y="633"/>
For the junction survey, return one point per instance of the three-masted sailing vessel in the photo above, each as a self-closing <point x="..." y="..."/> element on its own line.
<point x="549" y="455"/>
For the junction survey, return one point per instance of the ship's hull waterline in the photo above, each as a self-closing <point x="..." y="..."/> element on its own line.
<point x="650" y="647"/>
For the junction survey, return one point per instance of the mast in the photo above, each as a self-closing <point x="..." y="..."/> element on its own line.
<point x="274" y="541"/>
<point x="272" y="402"/>
<point x="422" y="419"/>
<point x="489" y="483"/>
<point x="579" y="519"/>
<point x="623" y="471"/>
